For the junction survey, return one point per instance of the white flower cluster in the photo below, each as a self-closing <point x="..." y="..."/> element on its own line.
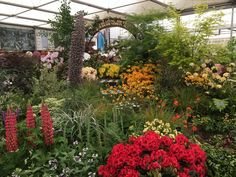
<point x="160" y="128"/>
<point x="85" y="158"/>
<point x="53" y="164"/>
<point x="89" y="73"/>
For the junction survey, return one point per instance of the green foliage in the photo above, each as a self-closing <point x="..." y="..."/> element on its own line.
<point x="62" y="160"/>
<point x="54" y="105"/>
<point x="135" y="51"/>
<point x="220" y="104"/>
<point x="14" y="100"/>
<point x="232" y="49"/>
<point x="213" y="123"/>
<point x="218" y="53"/>
<point x="220" y="161"/>
<point x="80" y="125"/>
<point x="63" y="25"/>
<point x="170" y="76"/>
<point x="47" y="85"/>
<point x="79" y="98"/>
<point x="181" y="45"/>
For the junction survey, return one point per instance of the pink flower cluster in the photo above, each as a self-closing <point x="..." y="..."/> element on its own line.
<point x="11" y="131"/>
<point x="11" y="128"/>
<point x="30" y="124"/>
<point x="151" y="152"/>
<point x="47" y="126"/>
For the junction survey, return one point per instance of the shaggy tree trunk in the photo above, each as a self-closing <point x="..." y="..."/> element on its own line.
<point x="77" y="51"/>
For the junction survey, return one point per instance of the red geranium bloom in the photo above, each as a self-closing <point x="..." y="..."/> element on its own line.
<point x="151" y="152"/>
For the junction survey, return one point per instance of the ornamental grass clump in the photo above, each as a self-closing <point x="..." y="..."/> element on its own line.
<point x="154" y="155"/>
<point x="11" y="131"/>
<point x="47" y="126"/>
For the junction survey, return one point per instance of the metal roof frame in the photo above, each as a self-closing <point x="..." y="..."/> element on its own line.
<point x="215" y="6"/>
<point x="113" y="10"/>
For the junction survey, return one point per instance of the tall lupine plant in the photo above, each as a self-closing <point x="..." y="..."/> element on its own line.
<point x="77" y="51"/>
<point x="30" y="123"/>
<point x="4" y="114"/>
<point x="47" y="126"/>
<point x="11" y="131"/>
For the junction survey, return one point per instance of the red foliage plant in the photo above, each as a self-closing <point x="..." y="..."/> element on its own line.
<point x="152" y="153"/>
<point x="11" y="131"/>
<point x="47" y="126"/>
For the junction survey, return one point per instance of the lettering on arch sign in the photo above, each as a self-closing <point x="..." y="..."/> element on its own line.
<point x="113" y="22"/>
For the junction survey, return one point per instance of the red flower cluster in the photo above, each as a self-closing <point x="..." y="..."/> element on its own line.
<point x="11" y="131"/>
<point x="151" y="152"/>
<point x="47" y="125"/>
<point x="30" y="122"/>
<point x="176" y="103"/>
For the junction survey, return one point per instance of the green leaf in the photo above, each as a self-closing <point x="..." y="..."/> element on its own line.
<point x="220" y="104"/>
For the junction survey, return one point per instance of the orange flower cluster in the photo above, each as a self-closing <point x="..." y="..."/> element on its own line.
<point x="186" y="115"/>
<point x="11" y="131"/>
<point x="139" y="81"/>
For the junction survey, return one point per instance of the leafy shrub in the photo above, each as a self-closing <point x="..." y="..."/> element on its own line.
<point x="135" y="51"/>
<point x="220" y="161"/>
<point x="181" y="45"/>
<point x="47" y="86"/>
<point x="62" y="160"/>
<point x="81" y="97"/>
<point x="18" y="72"/>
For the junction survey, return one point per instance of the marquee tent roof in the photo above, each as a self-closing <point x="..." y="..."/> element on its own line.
<point x="36" y="13"/>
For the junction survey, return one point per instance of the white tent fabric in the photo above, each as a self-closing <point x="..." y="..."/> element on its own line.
<point x="37" y="12"/>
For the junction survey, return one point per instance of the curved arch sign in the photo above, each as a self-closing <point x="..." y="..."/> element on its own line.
<point x="113" y="22"/>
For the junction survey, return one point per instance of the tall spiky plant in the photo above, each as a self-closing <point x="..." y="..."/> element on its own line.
<point x="77" y="50"/>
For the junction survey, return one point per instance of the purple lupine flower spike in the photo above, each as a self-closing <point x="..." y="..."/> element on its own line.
<point x="17" y="113"/>
<point x="3" y="118"/>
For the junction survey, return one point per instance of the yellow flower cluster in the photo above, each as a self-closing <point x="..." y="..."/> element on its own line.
<point x="109" y="71"/>
<point x="89" y="73"/>
<point x="139" y="81"/>
<point x="160" y="128"/>
<point x="208" y="79"/>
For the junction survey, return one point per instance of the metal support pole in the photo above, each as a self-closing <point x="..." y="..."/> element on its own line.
<point x="232" y="23"/>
